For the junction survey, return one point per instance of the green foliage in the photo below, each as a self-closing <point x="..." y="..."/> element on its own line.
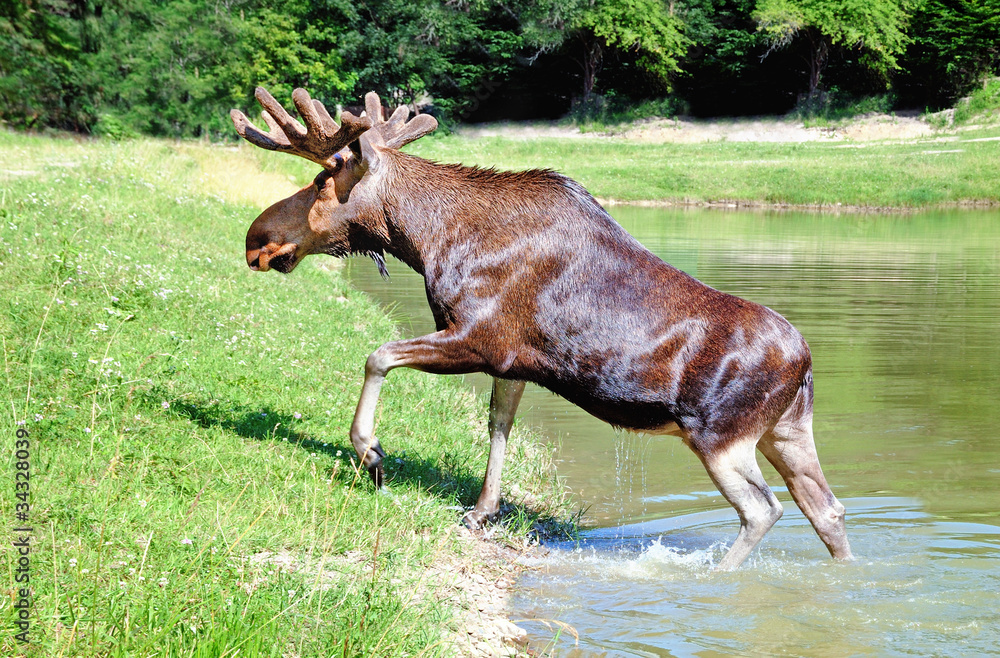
<point x="875" y="27"/>
<point x="39" y="62"/>
<point x="610" y="110"/>
<point x="721" y="32"/>
<point x="163" y="69"/>
<point x="646" y="27"/>
<point x="112" y="127"/>
<point x="176" y="67"/>
<point x="837" y="105"/>
<point x="956" y="45"/>
<point x="450" y="54"/>
<point x="281" y="50"/>
<point x="982" y="105"/>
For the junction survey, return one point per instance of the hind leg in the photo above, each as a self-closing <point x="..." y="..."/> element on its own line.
<point x="792" y="451"/>
<point x="735" y="472"/>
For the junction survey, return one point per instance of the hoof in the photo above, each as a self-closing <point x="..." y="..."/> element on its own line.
<point x="377" y="474"/>
<point x="475" y="520"/>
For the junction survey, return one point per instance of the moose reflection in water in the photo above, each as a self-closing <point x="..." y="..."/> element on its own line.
<point x="529" y="279"/>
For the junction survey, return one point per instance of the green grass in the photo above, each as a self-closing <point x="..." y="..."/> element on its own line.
<point x="192" y="492"/>
<point x="192" y="489"/>
<point x="917" y="173"/>
<point x="983" y="105"/>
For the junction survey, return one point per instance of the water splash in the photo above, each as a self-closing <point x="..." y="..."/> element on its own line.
<point x="919" y="586"/>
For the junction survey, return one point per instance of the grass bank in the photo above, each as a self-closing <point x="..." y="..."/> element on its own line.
<point x="950" y="168"/>
<point x="191" y="490"/>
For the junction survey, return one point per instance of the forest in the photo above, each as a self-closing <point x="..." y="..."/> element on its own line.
<point x="176" y="67"/>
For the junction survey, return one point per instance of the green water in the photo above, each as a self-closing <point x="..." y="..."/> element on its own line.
<point x="902" y="313"/>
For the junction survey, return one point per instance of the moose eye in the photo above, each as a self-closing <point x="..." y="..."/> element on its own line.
<point x="322" y="178"/>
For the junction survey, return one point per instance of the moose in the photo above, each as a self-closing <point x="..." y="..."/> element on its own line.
<point x="530" y="280"/>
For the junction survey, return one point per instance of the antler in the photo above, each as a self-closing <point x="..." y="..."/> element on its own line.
<point x="319" y="140"/>
<point x="396" y="132"/>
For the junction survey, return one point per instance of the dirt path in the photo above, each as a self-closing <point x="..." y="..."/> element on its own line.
<point x="876" y="127"/>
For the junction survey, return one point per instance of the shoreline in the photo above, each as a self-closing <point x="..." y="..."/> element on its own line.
<point x="483" y="628"/>
<point x="820" y="208"/>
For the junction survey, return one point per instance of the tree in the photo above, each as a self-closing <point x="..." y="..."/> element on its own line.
<point x="158" y="70"/>
<point x="177" y="67"/>
<point x="428" y="50"/>
<point x="282" y="47"/>
<point x="956" y="45"/>
<point x="875" y="27"/>
<point x="723" y="71"/>
<point x="648" y="28"/>
<point x="40" y="64"/>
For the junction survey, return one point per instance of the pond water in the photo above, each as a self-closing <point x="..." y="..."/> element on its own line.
<point x="902" y="313"/>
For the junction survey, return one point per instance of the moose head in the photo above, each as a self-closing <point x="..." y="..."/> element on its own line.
<point x="336" y="214"/>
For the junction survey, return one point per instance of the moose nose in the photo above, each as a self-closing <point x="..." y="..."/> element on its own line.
<point x="253" y="259"/>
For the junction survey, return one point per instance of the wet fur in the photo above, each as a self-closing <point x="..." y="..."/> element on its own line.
<point x="582" y="308"/>
<point x="530" y="279"/>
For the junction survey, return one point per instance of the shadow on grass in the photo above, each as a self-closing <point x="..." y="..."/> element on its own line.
<point x="446" y="476"/>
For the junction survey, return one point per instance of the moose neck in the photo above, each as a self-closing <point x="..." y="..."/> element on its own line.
<point x="423" y="207"/>
<point x="428" y="214"/>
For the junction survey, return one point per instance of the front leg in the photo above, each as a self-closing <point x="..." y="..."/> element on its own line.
<point x="503" y="405"/>
<point x="444" y="353"/>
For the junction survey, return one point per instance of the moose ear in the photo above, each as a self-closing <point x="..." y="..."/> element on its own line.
<point x="355" y="147"/>
<point x="370" y="146"/>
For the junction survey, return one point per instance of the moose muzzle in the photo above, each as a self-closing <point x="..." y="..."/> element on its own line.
<point x="270" y="257"/>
